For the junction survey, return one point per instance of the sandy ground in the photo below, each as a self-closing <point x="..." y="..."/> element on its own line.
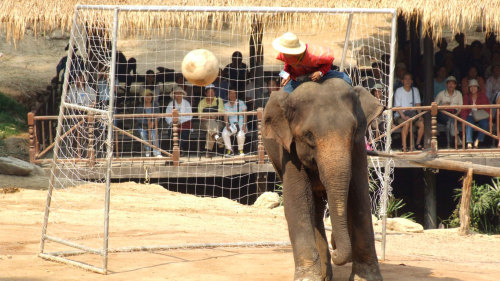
<point x="149" y="215"/>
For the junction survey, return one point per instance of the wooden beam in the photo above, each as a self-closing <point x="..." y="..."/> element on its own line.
<point x="465" y="203"/>
<point x="458" y="166"/>
<point x="424" y="159"/>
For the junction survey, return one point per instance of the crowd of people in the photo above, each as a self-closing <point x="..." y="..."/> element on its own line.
<point x="233" y="91"/>
<point x="467" y="75"/>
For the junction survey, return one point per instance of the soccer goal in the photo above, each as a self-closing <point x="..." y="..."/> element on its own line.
<point x="128" y="116"/>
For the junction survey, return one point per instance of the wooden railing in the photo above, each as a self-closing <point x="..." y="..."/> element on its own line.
<point x="433" y="109"/>
<point x="42" y="134"/>
<point x="42" y="131"/>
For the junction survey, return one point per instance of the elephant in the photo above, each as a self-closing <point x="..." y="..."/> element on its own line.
<point x="314" y="138"/>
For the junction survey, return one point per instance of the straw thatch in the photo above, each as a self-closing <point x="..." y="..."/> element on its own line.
<point x="16" y="16"/>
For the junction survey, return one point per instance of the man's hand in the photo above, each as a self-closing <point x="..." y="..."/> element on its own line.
<point x="284" y="81"/>
<point x="316" y="76"/>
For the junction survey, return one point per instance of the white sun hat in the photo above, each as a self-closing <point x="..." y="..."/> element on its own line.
<point x="289" y="43"/>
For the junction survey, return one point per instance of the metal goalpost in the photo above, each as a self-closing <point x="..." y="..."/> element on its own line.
<point x="106" y="117"/>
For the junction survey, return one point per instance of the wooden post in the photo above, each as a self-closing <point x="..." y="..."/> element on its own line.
<point x="91" y="120"/>
<point x="176" y="152"/>
<point x="428" y="95"/>
<point x="434" y="132"/>
<point x="260" y="145"/>
<point x="430" y="217"/>
<point x="261" y="183"/>
<point x="31" y="131"/>
<point x="465" y="203"/>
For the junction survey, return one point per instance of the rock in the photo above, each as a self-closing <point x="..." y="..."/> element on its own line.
<point x="267" y="200"/>
<point x="18" y="146"/>
<point x="404" y="225"/>
<point x="13" y="166"/>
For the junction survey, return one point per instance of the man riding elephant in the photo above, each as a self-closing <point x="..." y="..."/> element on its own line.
<point x="315" y="140"/>
<point x="304" y="62"/>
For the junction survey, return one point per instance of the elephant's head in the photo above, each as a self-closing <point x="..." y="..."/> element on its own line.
<point x="322" y="124"/>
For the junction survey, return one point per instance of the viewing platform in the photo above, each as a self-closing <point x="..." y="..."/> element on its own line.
<point x="128" y="161"/>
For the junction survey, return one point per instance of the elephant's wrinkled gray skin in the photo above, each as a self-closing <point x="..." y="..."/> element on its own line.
<point x="315" y="140"/>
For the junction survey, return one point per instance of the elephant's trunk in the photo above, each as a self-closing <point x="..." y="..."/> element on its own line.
<point x="335" y="174"/>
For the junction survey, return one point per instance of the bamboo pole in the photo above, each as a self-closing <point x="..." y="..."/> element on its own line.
<point x="465" y="203"/>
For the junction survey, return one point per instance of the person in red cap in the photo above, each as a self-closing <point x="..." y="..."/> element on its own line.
<point x="304" y="62"/>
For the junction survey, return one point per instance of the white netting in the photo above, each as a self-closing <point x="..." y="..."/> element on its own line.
<point x="145" y="139"/>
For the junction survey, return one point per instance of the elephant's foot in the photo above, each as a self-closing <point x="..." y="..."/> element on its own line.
<point x="365" y="272"/>
<point x="310" y="274"/>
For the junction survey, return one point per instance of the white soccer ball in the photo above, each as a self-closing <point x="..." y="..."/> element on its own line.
<point x="200" y="67"/>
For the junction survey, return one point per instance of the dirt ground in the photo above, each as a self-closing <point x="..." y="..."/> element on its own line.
<point x="150" y="215"/>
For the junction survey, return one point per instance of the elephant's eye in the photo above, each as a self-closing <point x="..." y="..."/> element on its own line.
<point x="309" y="138"/>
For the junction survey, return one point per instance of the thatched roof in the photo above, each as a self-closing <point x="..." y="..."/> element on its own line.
<point x="46" y="15"/>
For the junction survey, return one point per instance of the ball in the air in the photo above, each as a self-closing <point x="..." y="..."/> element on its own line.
<point x="200" y="67"/>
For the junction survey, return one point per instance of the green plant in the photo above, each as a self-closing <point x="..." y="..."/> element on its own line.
<point x="394" y="206"/>
<point x="485" y="208"/>
<point x="12" y="117"/>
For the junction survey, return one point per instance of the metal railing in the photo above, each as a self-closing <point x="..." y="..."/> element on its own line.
<point x="42" y="131"/>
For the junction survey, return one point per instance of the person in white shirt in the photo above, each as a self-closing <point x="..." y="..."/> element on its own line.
<point x="493" y="84"/>
<point x="450" y="96"/>
<point x="408" y="96"/>
<point x="185" y="127"/>
<point x="81" y="94"/>
<point x="236" y="124"/>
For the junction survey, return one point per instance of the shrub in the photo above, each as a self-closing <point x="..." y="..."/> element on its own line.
<point x="485" y="208"/>
<point x="12" y="117"/>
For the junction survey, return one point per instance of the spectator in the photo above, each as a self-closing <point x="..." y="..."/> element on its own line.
<point x="81" y="94"/>
<point x="272" y="86"/>
<point x="77" y="66"/>
<point x="493" y="83"/>
<point x="147" y="125"/>
<point x="209" y="123"/>
<point x="304" y="62"/>
<point x="185" y="127"/>
<point x="440" y="80"/>
<point x="443" y="53"/>
<point x="180" y="81"/>
<point x="236" y="124"/>
<point x="151" y="84"/>
<point x="451" y="69"/>
<point x="473" y="74"/>
<point x="221" y="87"/>
<point x="400" y="72"/>
<point x="236" y="72"/>
<point x="475" y="97"/>
<point x="408" y="96"/>
<point x="495" y="59"/>
<point x="450" y="96"/>
<point x="378" y="123"/>
<point x="376" y="77"/>
<point x="460" y="55"/>
<point x="477" y="58"/>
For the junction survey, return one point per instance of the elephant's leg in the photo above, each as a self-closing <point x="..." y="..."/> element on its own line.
<point x="365" y="264"/>
<point x="321" y="240"/>
<point x="299" y="212"/>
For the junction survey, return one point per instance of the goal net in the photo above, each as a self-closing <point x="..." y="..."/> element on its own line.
<point x="132" y="133"/>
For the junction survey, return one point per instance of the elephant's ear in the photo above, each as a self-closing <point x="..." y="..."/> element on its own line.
<point x="276" y="125"/>
<point x="370" y="105"/>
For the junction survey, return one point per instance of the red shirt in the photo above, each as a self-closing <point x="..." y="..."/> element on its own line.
<point x="481" y="100"/>
<point x="315" y="58"/>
